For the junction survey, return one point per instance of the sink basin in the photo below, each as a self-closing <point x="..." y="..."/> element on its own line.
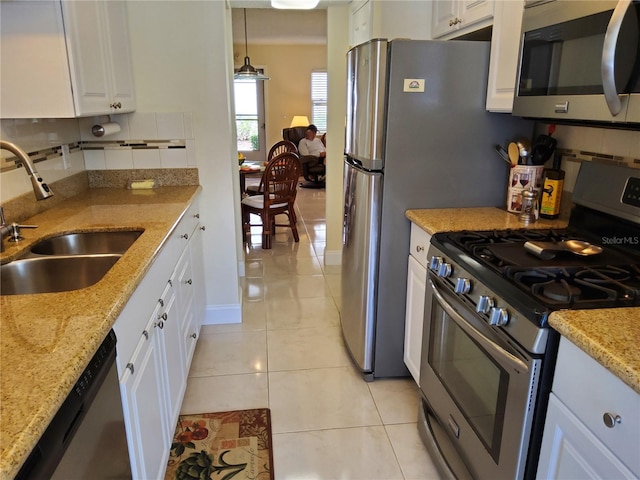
<point x="54" y="274"/>
<point x="87" y="243"/>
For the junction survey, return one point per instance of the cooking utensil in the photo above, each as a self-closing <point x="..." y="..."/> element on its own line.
<point x="514" y="154"/>
<point x="542" y="149"/>
<point x="503" y="154"/>
<point x="524" y="150"/>
<point x="548" y="250"/>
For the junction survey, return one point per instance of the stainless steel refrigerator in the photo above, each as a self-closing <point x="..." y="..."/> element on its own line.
<point x="417" y="136"/>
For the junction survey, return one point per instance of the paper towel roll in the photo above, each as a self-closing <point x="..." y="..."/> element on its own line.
<point x="105" y="129"/>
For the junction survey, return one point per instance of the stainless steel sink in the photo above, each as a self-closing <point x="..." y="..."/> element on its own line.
<point x="65" y="262"/>
<point x="87" y="243"/>
<point x="54" y="274"/>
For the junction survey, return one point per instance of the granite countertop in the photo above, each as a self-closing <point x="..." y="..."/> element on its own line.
<point x="611" y="336"/>
<point x="46" y="340"/>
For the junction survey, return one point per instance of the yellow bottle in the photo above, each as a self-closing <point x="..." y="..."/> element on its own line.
<point x="551" y="193"/>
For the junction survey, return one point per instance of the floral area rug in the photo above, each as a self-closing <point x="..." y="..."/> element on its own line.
<point x="222" y="446"/>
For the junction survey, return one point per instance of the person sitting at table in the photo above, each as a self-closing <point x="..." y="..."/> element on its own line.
<point x="311" y="148"/>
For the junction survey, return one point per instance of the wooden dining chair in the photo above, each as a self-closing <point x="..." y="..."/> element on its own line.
<point x="279" y="195"/>
<point x="283" y="146"/>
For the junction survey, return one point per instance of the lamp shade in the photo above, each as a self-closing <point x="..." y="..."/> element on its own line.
<point x="247" y="72"/>
<point x="294" y="4"/>
<point x="299" y="121"/>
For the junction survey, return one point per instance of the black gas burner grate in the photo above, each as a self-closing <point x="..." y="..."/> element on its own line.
<point x="469" y="240"/>
<point x="582" y="287"/>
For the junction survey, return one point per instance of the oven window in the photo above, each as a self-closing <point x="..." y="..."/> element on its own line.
<point x="474" y="381"/>
<point x="565" y="58"/>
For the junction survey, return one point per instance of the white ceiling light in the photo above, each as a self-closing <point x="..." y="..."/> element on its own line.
<point x="247" y="71"/>
<point x="295" y="4"/>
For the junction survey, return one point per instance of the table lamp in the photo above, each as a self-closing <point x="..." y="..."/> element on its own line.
<point x="299" y="121"/>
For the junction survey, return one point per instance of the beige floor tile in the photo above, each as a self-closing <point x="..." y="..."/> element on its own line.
<point x="279" y="265"/>
<point x="299" y="286"/>
<point x="333" y="270"/>
<point x="415" y="462"/>
<point x="397" y="399"/>
<point x="252" y="289"/>
<point x="225" y="393"/>
<point x="334" y="281"/>
<point x="254" y="267"/>
<point x="301" y="312"/>
<point x="321" y="398"/>
<point x="362" y="453"/>
<point x="254" y="318"/>
<point x="302" y="348"/>
<point x="230" y="354"/>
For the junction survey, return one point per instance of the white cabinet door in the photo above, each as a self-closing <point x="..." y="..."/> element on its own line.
<point x="142" y="391"/>
<point x="175" y="370"/>
<point x="414" y="316"/>
<point x="458" y="17"/>
<point x="196" y="250"/>
<point x="65" y="59"/>
<point x="505" y="51"/>
<point x="99" y="56"/>
<point x="444" y="16"/>
<point x="570" y="450"/>
<point x="361" y="22"/>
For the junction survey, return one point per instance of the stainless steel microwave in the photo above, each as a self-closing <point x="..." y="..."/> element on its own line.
<point x="579" y="61"/>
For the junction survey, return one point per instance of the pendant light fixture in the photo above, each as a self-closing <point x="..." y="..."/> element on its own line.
<point x="247" y="72"/>
<point x="295" y="4"/>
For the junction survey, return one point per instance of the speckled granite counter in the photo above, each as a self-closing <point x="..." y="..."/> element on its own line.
<point x="46" y="340"/>
<point x="611" y="336"/>
<point x="484" y="218"/>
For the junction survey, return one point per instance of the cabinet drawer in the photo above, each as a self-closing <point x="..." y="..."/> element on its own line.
<point x="591" y="391"/>
<point x="419" y="244"/>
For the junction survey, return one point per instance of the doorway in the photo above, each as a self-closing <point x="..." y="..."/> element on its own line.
<point x="250" y="119"/>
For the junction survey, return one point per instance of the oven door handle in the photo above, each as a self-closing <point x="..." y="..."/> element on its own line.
<point x="498" y="352"/>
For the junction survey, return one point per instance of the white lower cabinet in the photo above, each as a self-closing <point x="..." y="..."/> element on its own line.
<point x="592" y="429"/>
<point x="142" y="388"/>
<point x="416" y="289"/>
<point x="157" y="332"/>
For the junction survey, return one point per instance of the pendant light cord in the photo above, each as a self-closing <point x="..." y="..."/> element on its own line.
<point x="246" y="48"/>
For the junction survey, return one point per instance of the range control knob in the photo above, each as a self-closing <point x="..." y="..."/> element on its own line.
<point x="444" y="270"/>
<point x="498" y="317"/>
<point x="434" y="263"/>
<point x="463" y="285"/>
<point x="485" y="304"/>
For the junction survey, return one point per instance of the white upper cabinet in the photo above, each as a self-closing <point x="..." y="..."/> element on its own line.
<point x="452" y="18"/>
<point x="505" y="51"/>
<point x="65" y="59"/>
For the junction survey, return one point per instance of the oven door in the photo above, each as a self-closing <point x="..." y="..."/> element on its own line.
<point x="478" y="386"/>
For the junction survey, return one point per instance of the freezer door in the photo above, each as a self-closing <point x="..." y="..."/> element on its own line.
<point x="366" y="90"/>
<point x="360" y="250"/>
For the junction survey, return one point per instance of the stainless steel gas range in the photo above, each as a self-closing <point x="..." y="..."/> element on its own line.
<point x="488" y="354"/>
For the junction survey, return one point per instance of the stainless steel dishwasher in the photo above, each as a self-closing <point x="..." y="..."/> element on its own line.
<point x="86" y="439"/>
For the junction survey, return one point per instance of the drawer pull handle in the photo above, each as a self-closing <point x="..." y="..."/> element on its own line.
<point x="196" y="215"/>
<point x="185" y="236"/>
<point x="203" y="228"/>
<point x="162" y="317"/>
<point x="194" y="336"/>
<point x="146" y="334"/>
<point x="419" y="248"/>
<point x="611" y="419"/>
<point x="189" y="281"/>
<point x="130" y="367"/>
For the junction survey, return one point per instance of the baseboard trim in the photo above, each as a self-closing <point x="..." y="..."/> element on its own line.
<point x="221" y="314"/>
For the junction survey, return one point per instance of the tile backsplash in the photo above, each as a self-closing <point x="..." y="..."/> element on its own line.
<point x="145" y="141"/>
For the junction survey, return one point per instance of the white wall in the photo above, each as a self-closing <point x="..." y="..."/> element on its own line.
<point x="337" y="47"/>
<point x="182" y="56"/>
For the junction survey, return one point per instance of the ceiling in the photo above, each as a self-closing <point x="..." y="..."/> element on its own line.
<point x="275" y="27"/>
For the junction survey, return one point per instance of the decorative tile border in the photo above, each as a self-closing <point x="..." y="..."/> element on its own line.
<point x="581" y="155"/>
<point x="12" y="163"/>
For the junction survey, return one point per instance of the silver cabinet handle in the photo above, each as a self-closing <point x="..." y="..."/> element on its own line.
<point x="607" y="69"/>
<point x="419" y="248"/>
<point x="185" y="236"/>
<point x="146" y="334"/>
<point x="203" y="228"/>
<point x="161" y="302"/>
<point x="196" y="215"/>
<point x="194" y="336"/>
<point x="160" y="324"/>
<point x="189" y="282"/>
<point x="163" y="317"/>
<point x="115" y="105"/>
<point x="130" y="367"/>
<point x="611" y="419"/>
